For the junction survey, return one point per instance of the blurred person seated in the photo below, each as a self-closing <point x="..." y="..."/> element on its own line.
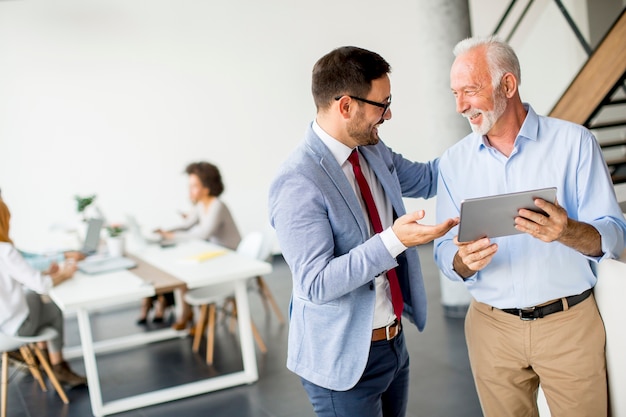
<point x="22" y="309"/>
<point x="43" y="261"/>
<point x="160" y="303"/>
<point x="210" y="219"/>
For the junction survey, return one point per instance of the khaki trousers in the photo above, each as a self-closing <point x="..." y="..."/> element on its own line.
<point x="564" y="351"/>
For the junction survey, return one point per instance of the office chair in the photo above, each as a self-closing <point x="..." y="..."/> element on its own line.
<point x="207" y="299"/>
<point x="28" y="345"/>
<point x="262" y="252"/>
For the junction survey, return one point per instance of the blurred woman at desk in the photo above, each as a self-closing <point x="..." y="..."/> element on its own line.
<point x="22" y="310"/>
<point x="209" y="220"/>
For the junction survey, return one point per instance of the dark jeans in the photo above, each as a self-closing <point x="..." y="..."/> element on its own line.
<point x="382" y="391"/>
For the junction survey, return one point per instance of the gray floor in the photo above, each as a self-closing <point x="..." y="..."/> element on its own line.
<point x="441" y="382"/>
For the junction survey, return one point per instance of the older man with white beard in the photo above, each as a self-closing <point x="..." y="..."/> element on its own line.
<point x="533" y="317"/>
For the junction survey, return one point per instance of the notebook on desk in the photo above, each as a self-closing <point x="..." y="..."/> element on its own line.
<point x="204" y="256"/>
<point x="106" y="264"/>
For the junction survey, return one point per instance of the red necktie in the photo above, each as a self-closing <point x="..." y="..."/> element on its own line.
<point x="372" y="211"/>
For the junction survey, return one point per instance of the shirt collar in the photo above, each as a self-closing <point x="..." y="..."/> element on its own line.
<point x="340" y="151"/>
<point x="530" y="127"/>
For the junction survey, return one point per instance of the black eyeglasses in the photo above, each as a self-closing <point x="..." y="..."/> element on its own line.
<point x="384" y="106"/>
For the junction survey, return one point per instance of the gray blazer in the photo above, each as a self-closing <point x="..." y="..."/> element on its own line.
<point x="324" y="238"/>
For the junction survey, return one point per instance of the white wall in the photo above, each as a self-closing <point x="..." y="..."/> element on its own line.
<point x="115" y="97"/>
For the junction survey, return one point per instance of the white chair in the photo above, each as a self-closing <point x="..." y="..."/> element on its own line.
<point x="27" y="345"/>
<point x="608" y="292"/>
<point x="542" y="404"/>
<point x="261" y="251"/>
<point x="208" y="298"/>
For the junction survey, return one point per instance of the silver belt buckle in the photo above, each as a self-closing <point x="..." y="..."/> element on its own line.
<point x="387" y="331"/>
<point x="526" y="314"/>
<point x="387" y="335"/>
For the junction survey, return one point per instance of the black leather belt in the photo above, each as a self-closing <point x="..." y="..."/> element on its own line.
<point x="534" y="313"/>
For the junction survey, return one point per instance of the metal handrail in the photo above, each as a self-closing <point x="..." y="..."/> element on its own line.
<point x="574" y="28"/>
<point x="568" y="18"/>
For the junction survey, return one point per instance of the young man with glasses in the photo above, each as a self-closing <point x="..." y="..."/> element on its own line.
<point x="337" y="208"/>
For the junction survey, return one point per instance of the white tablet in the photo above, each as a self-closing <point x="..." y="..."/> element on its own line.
<point x="494" y="216"/>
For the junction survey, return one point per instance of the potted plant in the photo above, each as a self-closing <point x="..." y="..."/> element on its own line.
<point x="82" y="203"/>
<point x="115" y="240"/>
<point x="115" y="230"/>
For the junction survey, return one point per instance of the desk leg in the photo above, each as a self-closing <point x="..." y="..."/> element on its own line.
<point x="245" y="331"/>
<point x="89" y="356"/>
<point x="178" y="303"/>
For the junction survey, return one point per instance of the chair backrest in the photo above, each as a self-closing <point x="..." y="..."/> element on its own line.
<point x="257" y="244"/>
<point x="269" y="237"/>
<point x="251" y="245"/>
<point x="608" y="293"/>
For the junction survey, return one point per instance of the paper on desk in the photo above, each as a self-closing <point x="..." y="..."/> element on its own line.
<point x="204" y="256"/>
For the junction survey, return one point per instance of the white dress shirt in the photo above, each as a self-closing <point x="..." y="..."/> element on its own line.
<point x="383" y="312"/>
<point x="15" y="274"/>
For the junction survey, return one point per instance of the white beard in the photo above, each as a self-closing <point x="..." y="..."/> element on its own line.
<point x="489" y="117"/>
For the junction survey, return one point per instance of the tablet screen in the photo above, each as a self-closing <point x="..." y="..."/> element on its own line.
<point x="494" y="216"/>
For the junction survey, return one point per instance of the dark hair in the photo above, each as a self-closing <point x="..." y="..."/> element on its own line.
<point x="209" y="175"/>
<point x="346" y="71"/>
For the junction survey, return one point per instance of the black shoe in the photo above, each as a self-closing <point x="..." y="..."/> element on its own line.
<point x="146" y="306"/>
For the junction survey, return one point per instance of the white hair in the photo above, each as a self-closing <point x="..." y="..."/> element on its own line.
<point x="500" y="57"/>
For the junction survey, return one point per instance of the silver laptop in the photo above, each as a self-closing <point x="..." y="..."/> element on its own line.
<point x="139" y="236"/>
<point x="92" y="237"/>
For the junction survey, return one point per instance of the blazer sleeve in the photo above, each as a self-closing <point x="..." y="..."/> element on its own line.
<point x="321" y="239"/>
<point x="417" y="179"/>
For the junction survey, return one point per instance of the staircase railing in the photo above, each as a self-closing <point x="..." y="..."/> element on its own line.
<point x="596" y="98"/>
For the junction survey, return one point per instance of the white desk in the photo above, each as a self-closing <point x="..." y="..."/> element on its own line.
<point x="226" y="267"/>
<point x="96" y="291"/>
<point x="85" y="293"/>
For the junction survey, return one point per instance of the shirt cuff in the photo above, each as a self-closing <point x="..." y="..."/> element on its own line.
<point x="392" y="243"/>
<point x="47" y="283"/>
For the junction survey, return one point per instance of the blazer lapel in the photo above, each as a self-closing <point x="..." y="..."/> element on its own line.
<point x="386" y="179"/>
<point x="329" y="165"/>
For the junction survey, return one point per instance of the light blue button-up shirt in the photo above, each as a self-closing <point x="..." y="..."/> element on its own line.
<point x="41" y="261"/>
<point x="547" y="153"/>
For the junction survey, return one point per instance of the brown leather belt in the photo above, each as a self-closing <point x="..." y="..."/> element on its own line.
<point x="386" y="333"/>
